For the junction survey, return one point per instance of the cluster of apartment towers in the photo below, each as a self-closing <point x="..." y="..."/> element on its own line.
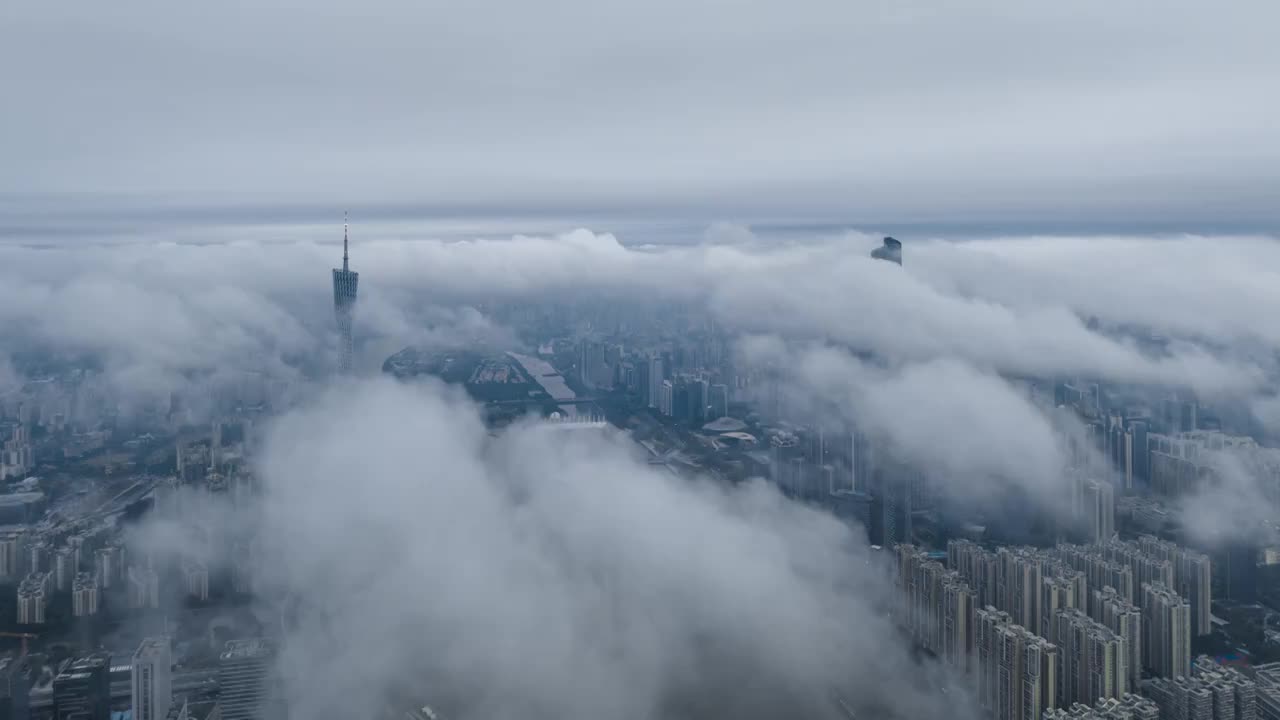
<point x="1077" y="631"/>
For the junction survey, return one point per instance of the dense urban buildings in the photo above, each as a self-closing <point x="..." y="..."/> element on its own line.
<point x="1129" y="707"/>
<point x="1092" y="608"/>
<point x="1210" y="692"/>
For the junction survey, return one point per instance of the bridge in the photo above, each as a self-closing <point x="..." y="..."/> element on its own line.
<point x="543" y="401"/>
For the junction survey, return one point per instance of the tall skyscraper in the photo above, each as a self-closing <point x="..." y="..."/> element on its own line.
<point x="152" y="679"/>
<point x="938" y="606"/>
<point x="891" y="251"/>
<point x="344" y="301"/>
<point x="1099" y="510"/>
<point x="656" y="376"/>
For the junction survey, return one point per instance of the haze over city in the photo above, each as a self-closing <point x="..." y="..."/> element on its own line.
<point x="845" y="360"/>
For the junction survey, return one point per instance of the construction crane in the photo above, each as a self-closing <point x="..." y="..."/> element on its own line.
<point x="25" y="637"/>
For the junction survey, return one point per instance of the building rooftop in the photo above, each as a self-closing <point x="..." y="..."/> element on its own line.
<point x="725" y="425"/>
<point x="254" y="647"/>
<point x="82" y="667"/>
<point x="21" y="498"/>
<point x="150" y="647"/>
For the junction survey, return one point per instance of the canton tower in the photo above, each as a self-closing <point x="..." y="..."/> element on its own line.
<point x="344" y="301"/>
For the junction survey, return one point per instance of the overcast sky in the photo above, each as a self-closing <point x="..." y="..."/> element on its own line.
<point x="881" y="111"/>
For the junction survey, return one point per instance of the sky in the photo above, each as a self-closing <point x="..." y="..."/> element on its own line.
<point x="990" y="113"/>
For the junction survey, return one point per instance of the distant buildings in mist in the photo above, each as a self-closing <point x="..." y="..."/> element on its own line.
<point x="1057" y="627"/>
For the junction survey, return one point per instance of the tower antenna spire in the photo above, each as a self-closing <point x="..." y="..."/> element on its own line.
<point x="345" y="265"/>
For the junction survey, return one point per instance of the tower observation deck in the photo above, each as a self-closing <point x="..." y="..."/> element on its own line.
<point x="344" y="301"/>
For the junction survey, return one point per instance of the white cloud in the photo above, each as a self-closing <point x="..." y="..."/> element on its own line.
<point x="549" y="575"/>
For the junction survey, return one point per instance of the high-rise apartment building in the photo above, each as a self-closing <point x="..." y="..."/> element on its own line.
<point x="1098" y="570"/>
<point x="1145" y="567"/>
<point x="33" y="598"/>
<point x="1094" y="660"/>
<point x="1181" y="698"/>
<point x="84" y="596"/>
<point x="196" y="578"/>
<point x="1017" y="670"/>
<point x="1099" y="510"/>
<point x="977" y="566"/>
<point x="1124" y="619"/>
<point x="1192" y="578"/>
<point x="144" y="587"/>
<point x="1166" y="645"/>
<point x="1235" y="695"/>
<point x="1018" y="586"/>
<point x="108" y="565"/>
<point x="152" y="676"/>
<point x="12" y="544"/>
<point x="1057" y="593"/>
<point x="938" y="606"/>
<point x="958" y="612"/>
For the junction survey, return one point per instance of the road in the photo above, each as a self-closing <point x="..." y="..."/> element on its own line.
<point x="183" y="682"/>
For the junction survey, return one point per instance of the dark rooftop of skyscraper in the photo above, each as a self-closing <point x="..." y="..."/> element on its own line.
<point x="891" y="250"/>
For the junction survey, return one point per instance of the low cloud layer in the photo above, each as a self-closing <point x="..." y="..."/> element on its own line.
<point x="1016" y="305"/>
<point x="948" y="329"/>
<point x="544" y="574"/>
